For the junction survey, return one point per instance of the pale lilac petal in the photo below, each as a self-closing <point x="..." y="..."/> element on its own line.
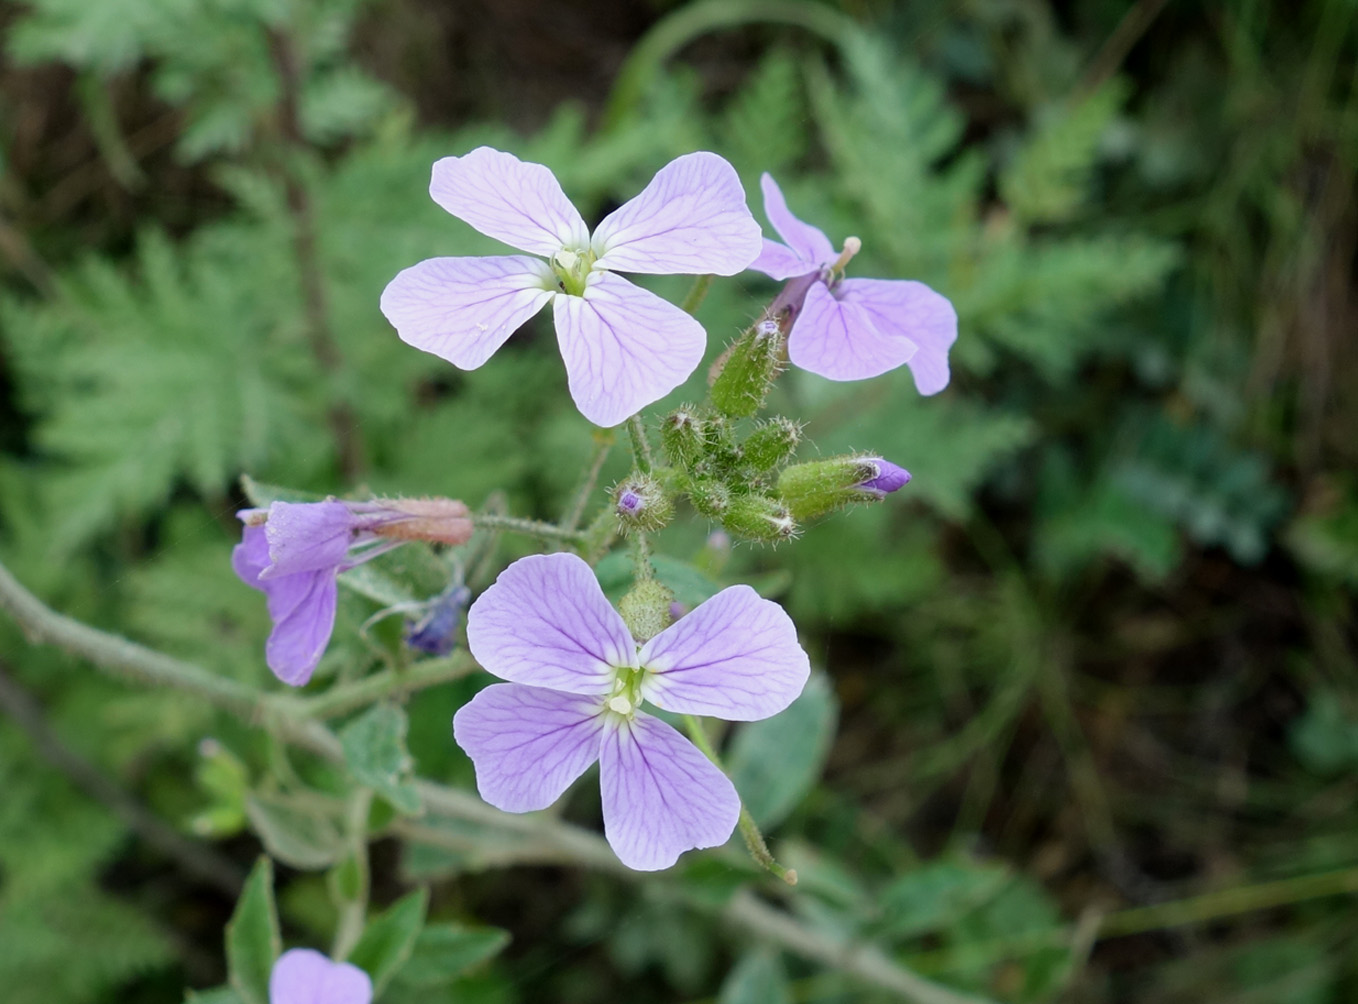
<point x="624" y="347"/>
<point x="251" y="556"/>
<point x="305" y="976"/>
<point x="778" y="261"/>
<point x="545" y="623"/>
<point x="528" y="744"/>
<point x="661" y="796"/>
<point x="463" y="309"/>
<point x="690" y="219"/>
<point x="302" y="608"/>
<point x="807" y="242"/>
<point x="910" y="310"/>
<point x="735" y="657"/>
<point x="837" y="339"/>
<point x="514" y="201"/>
<point x="307" y="537"/>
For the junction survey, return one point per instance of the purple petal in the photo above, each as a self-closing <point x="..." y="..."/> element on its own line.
<point x="661" y="795"/>
<point x="545" y="623"/>
<point x="250" y="557"/>
<point x="305" y="976"/>
<point x="302" y="608"/>
<point x="624" y="347"/>
<point x="463" y="309"/>
<point x="780" y="262"/>
<point x="528" y="744"/>
<point x="808" y="243"/>
<point x="509" y="199"/>
<point x="735" y="657"/>
<point x="307" y="537"/>
<point x="905" y="309"/>
<point x="690" y="219"/>
<point x="890" y="477"/>
<point x="837" y="339"/>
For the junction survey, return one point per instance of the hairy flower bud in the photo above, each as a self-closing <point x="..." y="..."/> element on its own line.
<point x="710" y="497"/>
<point x="646" y="609"/>
<point x="641" y="503"/>
<point x="681" y="437"/>
<point x="821" y="486"/>
<point x="771" y="443"/>
<point x="744" y="375"/>
<point x="758" y="517"/>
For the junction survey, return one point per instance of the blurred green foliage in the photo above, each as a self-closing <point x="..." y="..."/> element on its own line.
<point x="1104" y="659"/>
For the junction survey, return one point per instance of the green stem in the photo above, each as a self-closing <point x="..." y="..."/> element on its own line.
<point x="696" y="294"/>
<point x="353" y="910"/>
<point x="603" y="443"/>
<point x="642" y="569"/>
<point x="421" y="676"/>
<point x="530" y="527"/>
<point x="641" y="449"/>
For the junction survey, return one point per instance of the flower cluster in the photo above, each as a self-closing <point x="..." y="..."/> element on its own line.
<point x="577" y="680"/>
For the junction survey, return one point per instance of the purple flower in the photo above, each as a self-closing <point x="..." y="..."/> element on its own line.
<point x="889" y="477"/>
<point x="295" y="551"/>
<point x="852" y="329"/>
<point x="305" y="976"/>
<point x="623" y="346"/>
<point x="577" y="679"/>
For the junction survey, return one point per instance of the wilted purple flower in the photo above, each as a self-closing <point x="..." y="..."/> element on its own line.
<point x="852" y="329"/>
<point x="577" y="680"/>
<point x="623" y="347"/>
<point x="435" y="631"/>
<point x="294" y="552"/>
<point x="889" y="477"/>
<point x="305" y="976"/>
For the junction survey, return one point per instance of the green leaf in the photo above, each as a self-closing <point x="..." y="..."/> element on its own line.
<point x="217" y="995"/>
<point x="444" y="951"/>
<point x="374" y="746"/>
<point x="758" y="978"/>
<point x="253" y="943"/>
<point x="388" y="939"/>
<point x="775" y="762"/>
<point x="934" y="896"/>
<point x="298" y="838"/>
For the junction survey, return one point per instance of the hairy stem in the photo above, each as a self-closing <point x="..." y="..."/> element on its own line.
<point x="696" y="294"/>
<point x="353" y="913"/>
<point x="603" y="443"/>
<point x="641" y="447"/>
<point x="531" y="527"/>
<point x="388" y="683"/>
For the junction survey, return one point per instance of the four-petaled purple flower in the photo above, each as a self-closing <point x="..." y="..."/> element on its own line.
<point x="852" y="329"/>
<point x="577" y="679"/>
<point x="305" y="976"/>
<point x="293" y="552"/>
<point x="623" y="346"/>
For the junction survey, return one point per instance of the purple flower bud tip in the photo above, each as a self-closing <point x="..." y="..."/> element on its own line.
<point x="630" y="502"/>
<point x="889" y="477"/>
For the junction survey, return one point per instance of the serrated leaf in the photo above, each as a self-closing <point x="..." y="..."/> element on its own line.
<point x="253" y="943"/>
<point x="375" y="748"/>
<point x="389" y="938"/>
<point x="301" y="839"/>
<point x="445" y="951"/>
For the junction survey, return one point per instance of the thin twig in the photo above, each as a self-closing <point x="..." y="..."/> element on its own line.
<point x="641" y="447"/>
<point x="392" y="682"/>
<point x="603" y="443"/>
<point x="531" y="527"/>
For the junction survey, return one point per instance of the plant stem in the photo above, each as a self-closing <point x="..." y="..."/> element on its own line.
<point x="422" y="675"/>
<point x="531" y="527"/>
<point x="603" y="443"/>
<point x="642" y="569"/>
<point x="641" y="449"/>
<point x="696" y="294"/>
<point x="354" y="910"/>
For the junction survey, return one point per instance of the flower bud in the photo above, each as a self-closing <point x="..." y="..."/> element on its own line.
<point x="435" y="631"/>
<point x="744" y="375"/>
<point x="641" y="503"/>
<point x="821" y="486"/>
<point x="443" y="521"/>
<point x="771" y="443"/>
<point x="758" y="517"/>
<point x="646" y="609"/>
<point x="710" y="497"/>
<point x="681" y="437"/>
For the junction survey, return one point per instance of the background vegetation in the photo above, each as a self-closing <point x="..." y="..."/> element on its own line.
<point x="1089" y="724"/>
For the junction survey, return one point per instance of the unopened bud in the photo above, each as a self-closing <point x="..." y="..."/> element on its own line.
<point x="771" y="443"/>
<point x="822" y="486"/>
<point x="444" y="521"/>
<point x="758" y="517"/>
<point x="745" y="374"/>
<point x="710" y="497"/>
<point x="646" y="609"/>
<point x="681" y="437"/>
<point x="435" y="631"/>
<point x="641" y="503"/>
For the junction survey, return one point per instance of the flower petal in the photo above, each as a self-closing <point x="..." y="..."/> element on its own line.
<point x="807" y="242"/>
<point x="307" y="537"/>
<point x="463" y="309"/>
<point x="735" y="657"/>
<point x="528" y="744"/>
<point x="624" y="347"/>
<point x="661" y="796"/>
<point x="305" y="976"/>
<point x="690" y="219"/>
<point x="302" y="608"/>
<point x="778" y="261"/>
<point x="545" y="623"/>
<point x="515" y="201"/>
<point x="910" y="310"/>
<point x="837" y="339"/>
<point x="251" y="556"/>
